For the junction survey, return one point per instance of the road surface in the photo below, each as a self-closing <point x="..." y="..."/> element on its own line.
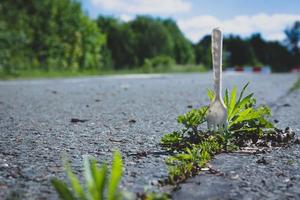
<point x="131" y="113"/>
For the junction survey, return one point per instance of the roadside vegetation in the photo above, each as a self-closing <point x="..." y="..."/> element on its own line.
<point x="56" y="38"/>
<point x="36" y="74"/>
<point x="295" y="86"/>
<point x="249" y="126"/>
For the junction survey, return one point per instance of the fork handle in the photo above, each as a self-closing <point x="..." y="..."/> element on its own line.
<point x="216" y="49"/>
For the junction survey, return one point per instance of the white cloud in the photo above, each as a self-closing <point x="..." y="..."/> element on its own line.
<point x="126" y="18"/>
<point x="270" y="26"/>
<point x="163" y="7"/>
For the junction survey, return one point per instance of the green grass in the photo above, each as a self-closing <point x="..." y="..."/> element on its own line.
<point x="101" y="183"/>
<point x="35" y="74"/>
<point x="295" y="86"/>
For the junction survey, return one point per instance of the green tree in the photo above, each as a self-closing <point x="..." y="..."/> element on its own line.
<point x="49" y="34"/>
<point x="183" y="49"/>
<point x="279" y="58"/>
<point x="130" y="44"/>
<point x="293" y="41"/>
<point x="203" y="52"/>
<point x="14" y="37"/>
<point x="293" y="37"/>
<point x="273" y="54"/>
<point x="240" y="52"/>
<point x="152" y="38"/>
<point x="120" y="43"/>
<point x="260" y="47"/>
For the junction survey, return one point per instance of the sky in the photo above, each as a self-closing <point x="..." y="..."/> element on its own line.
<point x="197" y="18"/>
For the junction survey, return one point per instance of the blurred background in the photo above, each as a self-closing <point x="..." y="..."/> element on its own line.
<point x="46" y="38"/>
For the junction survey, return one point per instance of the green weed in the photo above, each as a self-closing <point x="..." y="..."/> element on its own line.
<point x="192" y="147"/>
<point x="99" y="182"/>
<point x="295" y="86"/>
<point x="153" y="196"/>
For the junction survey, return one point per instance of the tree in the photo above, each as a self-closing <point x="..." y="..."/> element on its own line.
<point x="48" y="34"/>
<point x="120" y="42"/>
<point x="260" y="47"/>
<point x="203" y="51"/>
<point x="152" y="38"/>
<point x="279" y="58"/>
<point x="273" y="54"/>
<point x="293" y="37"/>
<point x="183" y="49"/>
<point x="293" y="41"/>
<point x="14" y="37"/>
<point x="240" y="51"/>
<point x="129" y="44"/>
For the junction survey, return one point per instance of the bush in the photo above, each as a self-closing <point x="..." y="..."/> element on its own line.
<point x="158" y="64"/>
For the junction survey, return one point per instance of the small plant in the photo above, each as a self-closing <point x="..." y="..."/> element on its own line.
<point x="100" y="184"/>
<point x="192" y="147"/>
<point x="153" y="196"/>
<point x="295" y="86"/>
<point x="245" y="120"/>
<point x="158" y="64"/>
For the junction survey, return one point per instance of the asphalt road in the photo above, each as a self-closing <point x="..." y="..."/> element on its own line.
<point x="131" y="113"/>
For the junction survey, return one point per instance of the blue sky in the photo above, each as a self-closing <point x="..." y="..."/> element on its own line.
<point x="196" y="18"/>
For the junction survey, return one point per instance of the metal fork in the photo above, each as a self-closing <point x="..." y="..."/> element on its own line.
<point x="217" y="112"/>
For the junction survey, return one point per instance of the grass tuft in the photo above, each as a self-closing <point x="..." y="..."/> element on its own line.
<point x="101" y="183"/>
<point x="295" y="86"/>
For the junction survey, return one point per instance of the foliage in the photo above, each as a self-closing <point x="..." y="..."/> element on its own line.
<point x="193" y="147"/>
<point x="99" y="182"/>
<point x="240" y="51"/>
<point x="152" y="38"/>
<point x="203" y="51"/>
<point x="193" y="118"/>
<point x="154" y="196"/>
<point x="120" y="43"/>
<point x="134" y="43"/>
<point x="56" y="35"/>
<point x="50" y="34"/>
<point x="295" y="86"/>
<point x="158" y="63"/>
<point x="272" y="53"/>
<point x="189" y="160"/>
<point x="253" y="51"/>
<point x="242" y="113"/>
<point x="293" y="37"/>
<point x="183" y="51"/>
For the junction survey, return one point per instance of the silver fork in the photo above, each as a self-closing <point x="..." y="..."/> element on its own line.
<point x="217" y="112"/>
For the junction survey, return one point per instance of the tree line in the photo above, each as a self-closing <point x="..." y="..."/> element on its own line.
<point x="58" y="35"/>
<point x="254" y="51"/>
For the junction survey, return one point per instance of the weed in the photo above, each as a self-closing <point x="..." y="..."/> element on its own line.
<point x="192" y="148"/>
<point x="153" y="196"/>
<point x="99" y="184"/>
<point x="295" y="86"/>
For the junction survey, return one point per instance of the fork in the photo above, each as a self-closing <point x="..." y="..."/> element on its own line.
<point x="217" y="111"/>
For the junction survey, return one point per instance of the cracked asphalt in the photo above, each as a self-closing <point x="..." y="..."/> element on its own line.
<point x="40" y="120"/>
